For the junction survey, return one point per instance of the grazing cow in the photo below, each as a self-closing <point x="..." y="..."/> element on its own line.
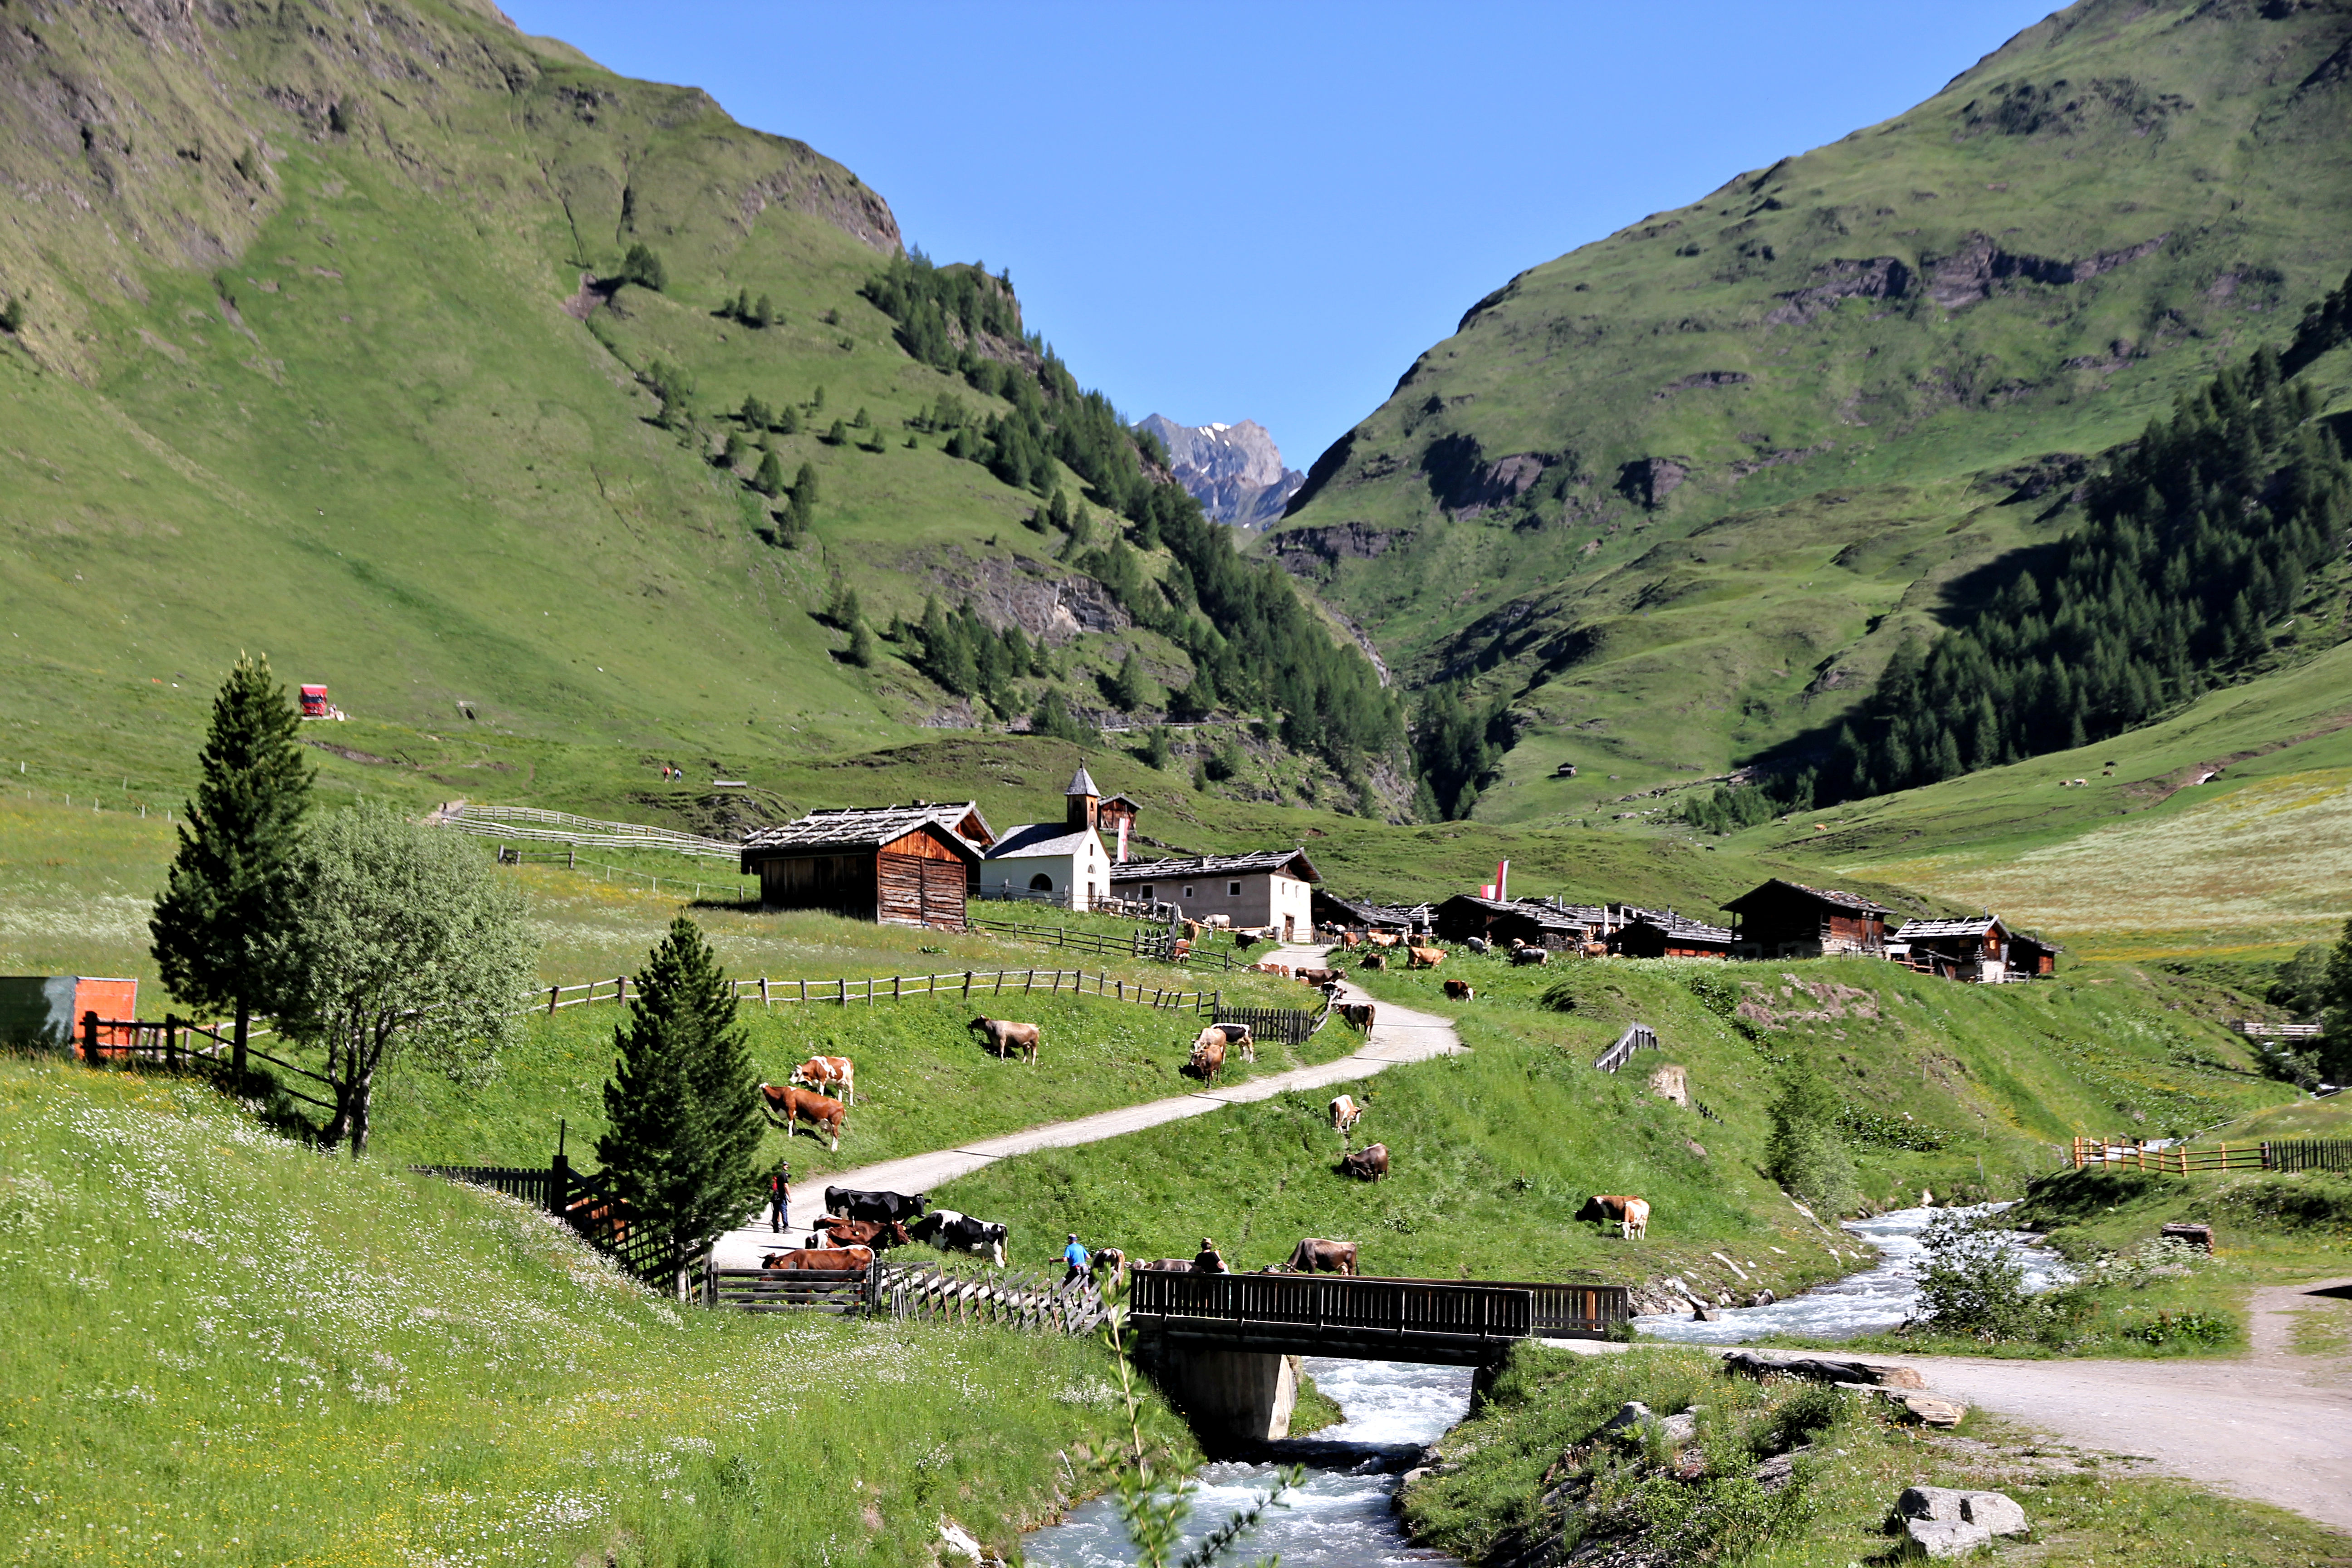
<point x="1005" y="1037"/>
<point x="788" y="1107"/>
<point x="1477" y="944"/>
<point x="851" y="1203"/>
<point x="1373" y="961"/>
<point x="1368" y="1164"/>
<point x="1385" y="938"/>
<point x="1527" y="955"/>
<point x="841" y="1257"/>
<point x="874" y="1232"/>
<point x="1424" y="957"/>
<point x="1208" y="1057"/>
<point x="1632" y="1214"/>
<point x="1236" y="1036"/>
<point x="1244" y="941"/>
<point x="821" y="1073"/>
<point x="1349" y="940"/>
<point x="1313" y="1256"/>
<point x="1459" y="989"/>
<point x="1315" y="976"/>
<point x="1595" y="950"/>
<point x="952" y="1232"/>
<point x="1345" y="1114"/>
<point x="1357" y="1016"/>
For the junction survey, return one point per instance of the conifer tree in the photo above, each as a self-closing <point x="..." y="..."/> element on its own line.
<point x="788" y="421"/>
<point x="763" y="311"/>
<point x="683" y="1102"/>
<point x="769" y="479"/>
<point x="223" y="920"/>
<point x="805" y="492"/>
<point x="1129" y="687"/>
<point x="863" y="650"/>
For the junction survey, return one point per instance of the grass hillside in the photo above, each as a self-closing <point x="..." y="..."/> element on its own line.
<point x="221" y="1348"/>
<point x="1677" y="497"/>
<point x="325" y="351"/>
<point x="1954" y="1088"/>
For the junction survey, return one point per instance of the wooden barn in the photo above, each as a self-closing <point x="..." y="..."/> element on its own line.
<point x="1333" y="912"/>
<point x="1789" y="919"/>
<point x="1557" y="927"/>
<point x="900" y="865"/>
<point x="1979" y="947"/>
<point x="1662" y="933"/>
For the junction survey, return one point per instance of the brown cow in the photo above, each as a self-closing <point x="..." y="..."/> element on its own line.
<point x="1459" y="989"/>
<point x="874" y="1233"/>
<point x="1162" y="1265"/>
<point x="1005" y="1037"/>
<point x="841" y="1257"/>
<point x="1315" y="1255"/>
<point x="1424" y="957"/>
<point x="1281" y="969"/>
<point x="821" y="1073"/>
<point x="1208" y="1057"/>
<point x="1368" y="1164"/>
<point x="1357" y="1015"/>
<point x="1236" y="1036"/>
<point x="1349" y="938"/>
<point x="1385" y="938"/>
<point x="788" y="1106"/>
<point x="1373" y="961"/>
<point x="1632" y="1214"/>
<point x="1315" y="976"/>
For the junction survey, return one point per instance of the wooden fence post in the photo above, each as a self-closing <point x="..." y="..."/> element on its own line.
<point x="967" y="985"/>
<point x="621" y="990"/>
<point x="172" y="1040"/>
<point x="552" y="992"/>
<point x="764" y="993"/>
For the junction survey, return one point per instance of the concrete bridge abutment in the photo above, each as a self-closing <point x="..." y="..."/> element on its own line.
<point x="1231" y="1397"/>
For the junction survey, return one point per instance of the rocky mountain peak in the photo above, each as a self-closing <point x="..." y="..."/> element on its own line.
<point x="1233" y="470"/>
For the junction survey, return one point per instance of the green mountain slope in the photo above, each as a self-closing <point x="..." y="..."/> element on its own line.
<point x="1677" y="496"/>
<point x="324" y="352"/>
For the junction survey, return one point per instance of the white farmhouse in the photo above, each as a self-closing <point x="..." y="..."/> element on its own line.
<point x="1272" y="890"/>
<point x="1053" y="862"/>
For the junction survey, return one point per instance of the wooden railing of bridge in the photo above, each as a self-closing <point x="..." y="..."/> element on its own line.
<point x="1450" y="1320"/>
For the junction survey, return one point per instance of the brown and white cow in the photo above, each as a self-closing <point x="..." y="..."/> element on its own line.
<point x="1344" y="1115"/>
<point x="1315" y="976"/>
<point x="1459" y="989"/>
<point x="1236" y="1036"/>
<point x="1315" y="1255"/>
<point x="822" y="1073"/>
<point x="1424" y="957"/>
<point x="1384" y="939"/>
<point x="788" y="1106"/>
<point x="1005" y="1037"/>
<point x="841" y="1257"/>
<point x="1208" y="1057"/>
<point x="1632" y="1214"/>
<point x="1349" y="938"/>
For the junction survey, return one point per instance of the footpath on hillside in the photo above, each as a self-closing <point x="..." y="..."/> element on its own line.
<point x="1398" y="1035"/>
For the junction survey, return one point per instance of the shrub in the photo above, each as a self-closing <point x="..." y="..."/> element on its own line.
<point x="1797" y="1420"/>
<point x="1806" y="1153"/>
<point x="2183" y="1329"/>
<point x="1973" y="1284"/>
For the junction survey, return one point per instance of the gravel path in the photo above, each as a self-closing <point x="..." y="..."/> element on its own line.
<point x="1398" y="1035"/>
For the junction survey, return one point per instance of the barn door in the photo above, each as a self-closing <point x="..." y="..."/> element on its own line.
<point x="943" y="893"/>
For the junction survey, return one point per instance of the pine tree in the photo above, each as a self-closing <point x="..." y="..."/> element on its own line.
<point x="863" y="650"/>
<point x="1129" y="687"/>
<point x="839" y="436"/>
<point x="1158" y="749"/>
<point x="763" y="311"/>
<point x="644" y="267"/>
<point x="223" y="922"/>
<point x="804" y="492"/>
<point x="683" y="1102"/>
<point x="788" y="421"/>
<point x="769" y="479"/>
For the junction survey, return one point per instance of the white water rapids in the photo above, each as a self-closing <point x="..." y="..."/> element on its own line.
<point x="1342" y="1516"/>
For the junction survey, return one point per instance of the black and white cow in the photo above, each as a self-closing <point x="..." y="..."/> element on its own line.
<point x="952" y="1232"/>
<point x="851" y="1203"/>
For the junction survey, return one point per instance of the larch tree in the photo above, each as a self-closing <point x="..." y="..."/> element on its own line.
<point x="222" y="924"/>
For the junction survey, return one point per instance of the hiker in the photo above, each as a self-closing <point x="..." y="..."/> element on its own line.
<point x="780" y="1196"/>
<point x="1075" y="1257"/>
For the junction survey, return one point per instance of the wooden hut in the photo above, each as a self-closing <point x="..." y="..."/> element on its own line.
<point x="2031" y="958"/>
<point x="1465" y="915"/>
<point x="1662" y="933"/>
<point x="1333" y="912"/>
<point x="901" y="865"/>
<point x="1789" y="919"/>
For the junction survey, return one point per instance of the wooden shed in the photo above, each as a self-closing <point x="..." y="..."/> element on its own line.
<point x="900" y="865"/>
<point x="1662" y="933"/>
<point x="1789" y="919"/>
<point x="1557" y="927"/>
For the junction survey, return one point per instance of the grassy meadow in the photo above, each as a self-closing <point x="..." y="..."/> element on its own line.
<point x="1537" y="1438"/>
<point x="1960" y="1090"/>
<point x="224" y="1349"/>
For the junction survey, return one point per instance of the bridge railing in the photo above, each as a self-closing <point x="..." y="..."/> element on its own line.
<point x="1405" y="1307"/>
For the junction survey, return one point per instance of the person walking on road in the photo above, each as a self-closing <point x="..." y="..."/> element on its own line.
<point x="780" y="1196"/>
<point x="1075" y="1257"/>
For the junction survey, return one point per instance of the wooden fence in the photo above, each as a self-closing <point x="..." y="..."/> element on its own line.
<point x="2281" y="1154"/>
<point x="529" y="825"/>
<point x="836" y="1291"/>
<point x="176" y="1042"/>
<point x="1141" y="943"/>
<point x="1289" y="1025"/>
<point x="1022" y="1300"/>
<point x="2256" y="1029"/>
<point x="1636" y="1038"/>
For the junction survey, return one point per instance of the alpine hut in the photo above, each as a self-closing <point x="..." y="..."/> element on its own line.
<point x="899" y="865"/>
<point x="1501" y="921"/>
<point x="1789" y="919"/>
<point x="1268" y="889"/>
<point x="1662" y="933"/>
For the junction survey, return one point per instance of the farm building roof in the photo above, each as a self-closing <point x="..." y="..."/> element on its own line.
<point x="1037" y="839"/>
<point x="1975" y="925"/>
<point x="1295" y="861"/>
<point x="1559" y="917"/>
<point x="1679" y="927"/>
<point x="1832" y="896"/>
<point x="863" y="827"/>
<point x="1371" y="914"/>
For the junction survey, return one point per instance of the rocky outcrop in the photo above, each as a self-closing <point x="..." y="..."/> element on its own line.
<point x="1703" y="378"/>
<point x="1306" y="551"/>
<point x="1969" y="274"/>
<point x="1648" y="481"/>
<point x="1880" y="278"/>
<point x="1234" y="471"/>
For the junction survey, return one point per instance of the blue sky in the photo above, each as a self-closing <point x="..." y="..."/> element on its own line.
<point x="1266" y="211"/>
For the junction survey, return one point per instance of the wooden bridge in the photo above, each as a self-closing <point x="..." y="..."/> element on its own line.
<point x="1448" y="1322"/>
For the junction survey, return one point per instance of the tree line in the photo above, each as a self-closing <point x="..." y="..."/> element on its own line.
<point x="2199" y="538"/>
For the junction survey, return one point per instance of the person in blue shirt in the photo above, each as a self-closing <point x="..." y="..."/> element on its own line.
<point x="1075" y="1257"/>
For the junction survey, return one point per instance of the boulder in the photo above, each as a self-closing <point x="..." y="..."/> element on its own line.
<point x="1672" y="1081"/>
<point x="1703" y="1313"/>
<point x="1947" y="1521"/>
<point x="1682" y="1430"/>
<point x="1762" y="1298"/>
<point x="1633" y="1412"/>
<point x="1927" y="1409"/>
<point x="1823" y="1369"/>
